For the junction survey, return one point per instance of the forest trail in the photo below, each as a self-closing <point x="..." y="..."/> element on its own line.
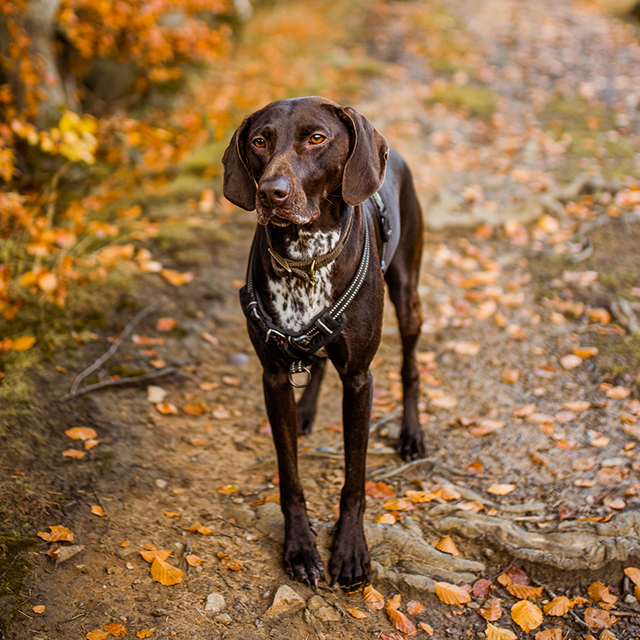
<point x="518" y="133"/>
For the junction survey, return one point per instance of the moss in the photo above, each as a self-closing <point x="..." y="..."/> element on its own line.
<point x="176" y="237"/>
<point x="474" y="99"/>
<point x="14" y="568"/>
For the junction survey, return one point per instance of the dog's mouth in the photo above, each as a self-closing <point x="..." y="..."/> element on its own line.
<point x="281" y="217"/>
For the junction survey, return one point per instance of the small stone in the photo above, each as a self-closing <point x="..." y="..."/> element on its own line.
<point x="327" y="614"/>
<point x="238" y="358"/>
<point x="215" y="604"/>
<point x="286" y="600"/>
<point x="473" y="605"/>
<point x="223" y="618"/>
<point x="315" y="602"/>
<point x="630" y="599"/>
<point x="68" y="552"/>
<point x="161" y="484"/>
<point x="244" y="516"/>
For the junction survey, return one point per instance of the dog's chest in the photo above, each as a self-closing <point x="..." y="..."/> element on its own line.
<point x="294" y="302"/>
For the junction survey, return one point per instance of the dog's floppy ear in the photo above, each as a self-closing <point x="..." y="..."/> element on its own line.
<point x="238" y="185"/>
<point x="364" y="172"/>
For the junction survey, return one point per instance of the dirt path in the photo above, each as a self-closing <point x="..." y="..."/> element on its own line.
<point x="509" y="419"/>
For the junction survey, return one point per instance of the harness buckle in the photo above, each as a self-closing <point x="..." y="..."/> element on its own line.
<point x="275" y="333"/>
<point x="298" y="368"/>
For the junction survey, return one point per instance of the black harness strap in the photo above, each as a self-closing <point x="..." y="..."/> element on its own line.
<point x="299" y="350"/>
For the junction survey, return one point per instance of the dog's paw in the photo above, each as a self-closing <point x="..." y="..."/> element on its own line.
<point x="349" y="565"/>
<point x="302" y="562"/>
<point x="305" y="421"/>
<point x="411" y="446"/>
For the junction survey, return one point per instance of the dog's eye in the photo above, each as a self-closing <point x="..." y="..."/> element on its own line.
<point x="259" y="142"/>
<point x="317" y="138"/>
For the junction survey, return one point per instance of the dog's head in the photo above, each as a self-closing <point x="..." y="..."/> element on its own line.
<point x="286" y="158"/>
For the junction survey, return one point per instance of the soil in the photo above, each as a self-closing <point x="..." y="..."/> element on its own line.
<point x="497" y="304"/>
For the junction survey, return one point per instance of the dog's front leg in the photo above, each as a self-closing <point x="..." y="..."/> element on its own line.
<point x="301" y="558"/>
<point x="350" y="560"/>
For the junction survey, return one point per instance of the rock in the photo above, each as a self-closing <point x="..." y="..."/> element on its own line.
<point x="223" y="618"/>
<point x="155" y="394"/>
<point x="286" y="601"/>
<point x="64" y="553"/>
<point x="161" y="484"/>
<point x="243" y="515"/>
<point x="327" y="614"/>
<point x="270" y="521"/>
<point x="215" y="604"/>
<point x="630" y="599"/>
<point x="238" y="358"/>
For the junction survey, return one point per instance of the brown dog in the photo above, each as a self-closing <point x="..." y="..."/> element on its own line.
<point x="315" y="290"/>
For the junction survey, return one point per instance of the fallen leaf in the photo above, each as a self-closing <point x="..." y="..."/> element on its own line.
<point x="481" y="588"/>
<point x="58" y="534"/>
<point x="633" y="574"/>
<point x="385" y="518"/>
<point x="603" y="441"/>
<point x="618" y="393"/>
<point x="599" y="592"/>
<point x="115" y="629"/>
<point x="208" y="386"/>
<point x="90" y="444"/>
<point x="193" y="561"/>
<point x="549" y="634"/>
<point x="356" y="613"/>
<point x="373" y="598"/>
<point x="394" y="603"/>
<point x="195" y="408"/>
<point x="124" y="544"/>
<point x="526" y="615"/>
<point x="23" y="343"/>
<point x="401" y="622"/>
<point x="391" y="635"/>
<point x="151" y="554"/>
<point x="491" y="610"/>
<point x="74" y="453"/>
<point x="599" y="315"/>
<point x="176" y="278"/>
<point x="196" y="527"/>
<point x="578" y="405"/>
<point x="39" y="608"/>
<point x="570" y="361"/>
<point x="426" y="627"/>
<point x="379" y="490"/>
<point x="415" y="607"/>
<point x="97" y="510"/>
<point x="229" y="563"/>
<point x="523" y="591"/>
<point x="607" y="635"/>
<point x="501" y="489"/>
<point x="81" y="433"/>
<point x="447" y="545"/>
<point x="524" y="412"/>
<point x="221" y="413"/>
<point x="96" y="634"/>
<point x="420" y="497"/>
<point x="597" y="618"/>
<point x="585" y="352"/>
<point x="510" y="376"/>
<point x="166" y="324"/>
<point x="209" y="338"/>
<point x="496" y="633"/>
<point x="398" y="504"/>
<point x="164" y="573"/>
<point x="145" y="633"/>
<point x="231" y="381"/>
<point x="167" y="408"/>
<point x="558" y="606"/>
<point x="486" y="426"/>
<point x="451" y="593"/>
<point x="228" y="489"/>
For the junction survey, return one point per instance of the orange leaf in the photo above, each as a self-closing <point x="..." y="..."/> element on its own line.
<point x="166" y="324"/>
<point x="145" y="633"/>
<point x="451" y="594"/>
<point x="634" y="574"/>
<point x="585" y="352"/>
<point x="558" y="606"/>
<point x="373" y="598"/>
<point x="385" y="518"/>
<point x="221" y="413"/>
<point x="526" y="615"/>
<point x="379" y="490"/>
<point x="426" y="627"/>
<point x="492" y="609"/>
<point x="618" y="393"/>
<point x="231" y="381"/>
<point x="115" y="629"/>
<point x="97" y="510"/>
<point x="356" y="613"/>
<point x="176" y="278"/>
<point x="401" y="622"/>
<point x="195" y="408"/>
<point x="152" y="554"/>
<point x="549" y="634"/>
<point x="394" y="603"/>
<point x="597" y="618"/>
<point x="482" y="587"/>
<point x="501" y="489"/>
<point x="599" y="592"/>
<point x="522" y="591"/>
<point x="125" y="543"/>
<point x="228" y="489"/>
<point x="164" y="573"/>
<point x="196" y="527"/>
<point x="193" y="561"/>
<point x="420" y="497"/>
<point x="578" y="405"/>
<point x="171" y="514"/>
<point x="39" y="608"/>
<point x="608" y="635"/>
<point x="81" y="433"/>
<point x="167" y="408"/>
<point x="414" y="607"/>
<point x="74" y="453"/>
<point x="447" y="545"/>
<point x="23" y="343"/>
<point x="96" y="634"/>
<point x="229" y="563"/>
<point x="398" y="504"/>
<point x="58" y="534"/>
<point x="523" y="412"/>
<point x="496" y="633"/>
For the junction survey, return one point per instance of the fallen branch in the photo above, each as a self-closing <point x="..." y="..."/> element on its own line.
<point x="573" y="614"/>
<point x="382" y="474"/>
<point x="119" y="382"/>
<point x="116" y="343"/>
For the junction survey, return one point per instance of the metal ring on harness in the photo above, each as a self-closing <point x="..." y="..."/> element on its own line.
<point x="298" y="367"/>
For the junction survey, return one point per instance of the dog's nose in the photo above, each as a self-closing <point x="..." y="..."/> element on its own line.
<point x="274" y="192"/>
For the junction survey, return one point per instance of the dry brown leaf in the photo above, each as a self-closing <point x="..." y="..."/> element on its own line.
<point x="526" y="615"/>
<point x="231" y="381"/>
<point x="58" y="534"/>
<point x="356" y="613"/>
<point x="618" y="393"/>
<point x="164" y="573"/>
<point x="597" y="618"/>
<point x="195" y="408"/>
<point x="420" y="497"/>
<point x="633" y="574"/>
<point x="196" y="527"/>
<point x="501" y="489"/>
<point x="578" y="601"/>
<point x="228" y="489"/>
<point x="599" y="592"/>
<point x="193" y="560"/>
<point x="96" y="634"/>
<point x="496" y="633"/>
<point x="578" y="405"/>
<point x="166" y="408"/>
<point x="115" y="629"/>
<point x="373" y="598"/>
<point x="523" y="591"/>
<point x="585" y="352"/>
<point x="221" y="412"/>
<point x="166" y="324"/>
<point x="481" y="588"/>
<point x="451" y="593"/>
<point x="394" y="603"/>
<point x="145" y="633"/>
<point x="151" y="554"/>
<point x="229" y="563"/>
<point x="379" y="490"/>
<point x="415" y="607"/>
<point x="447" y="545"/>
<point x="81" y="433"/>
<point x="385" y="518"/>
<point x="511" y="376"/>
<point x="570" y="361"/>
<point x="549" y="634"/>
<point x="426" y="627"/>
<point x="486" y="426"/>
<point x="398" y="504"/>
<point x="74" y="453"/>
<point x="401" y="622"/>
<point x="491" y="610"/>
<point x="525" y="411"/>
<point x="608" y="635"/>
<point x="558" y="606"/>
<point x="171" y="514"/>
<point x="39" y="609"/>
<point x="176" y="278"/>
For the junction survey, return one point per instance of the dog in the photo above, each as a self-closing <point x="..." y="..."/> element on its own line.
<point x="337" y="215"/>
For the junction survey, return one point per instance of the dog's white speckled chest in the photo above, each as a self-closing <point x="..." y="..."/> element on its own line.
<point x="292" y="300"/>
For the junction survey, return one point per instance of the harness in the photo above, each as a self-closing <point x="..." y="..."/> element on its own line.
<point x="299" y="350"/>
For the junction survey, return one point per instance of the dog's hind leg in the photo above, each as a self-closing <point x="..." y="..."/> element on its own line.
<point x="308" y="403"/>
<point x="402" y="277"/>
